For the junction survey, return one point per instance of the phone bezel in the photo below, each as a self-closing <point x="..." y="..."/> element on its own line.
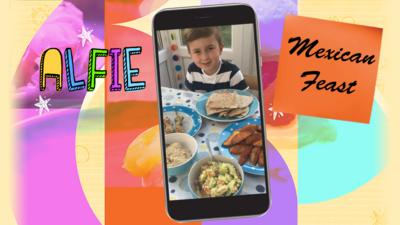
<point x="222" y="207"/>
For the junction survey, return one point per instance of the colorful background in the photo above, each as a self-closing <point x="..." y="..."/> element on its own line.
<point x="93" y="158"/>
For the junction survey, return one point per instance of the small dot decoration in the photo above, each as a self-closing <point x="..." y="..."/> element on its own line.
<point x="174" y="47"/>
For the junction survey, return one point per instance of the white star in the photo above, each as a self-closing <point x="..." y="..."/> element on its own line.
<point x="275" y="114"/>
<point x="85" y="36"/>
<point x="42" y="104"/>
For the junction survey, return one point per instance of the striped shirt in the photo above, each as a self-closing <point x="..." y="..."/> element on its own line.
<point x="228" y="76"/>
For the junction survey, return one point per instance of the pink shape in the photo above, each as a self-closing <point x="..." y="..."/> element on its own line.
<point x="49" y="185"/>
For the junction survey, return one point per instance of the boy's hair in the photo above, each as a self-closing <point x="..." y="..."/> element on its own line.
<point x="191" y="34"/>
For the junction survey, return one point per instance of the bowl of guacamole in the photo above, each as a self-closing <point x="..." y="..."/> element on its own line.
<point x="220" y="177"/>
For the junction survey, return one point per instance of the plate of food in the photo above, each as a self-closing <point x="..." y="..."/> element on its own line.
<point x="242" y="141"/>
<point x="181" y="119"/>
<point x="227" y="105"/>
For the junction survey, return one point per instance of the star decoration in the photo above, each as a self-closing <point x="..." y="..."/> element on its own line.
<point x="43" y="104"/>
<point x="85" y="35"/>
<point x="275" y="114"/>
<point x="379" y="218"/>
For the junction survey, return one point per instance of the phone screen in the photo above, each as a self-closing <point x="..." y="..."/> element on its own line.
<point x="210" y="99"/>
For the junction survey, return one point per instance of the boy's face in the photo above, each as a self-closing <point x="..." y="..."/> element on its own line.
<point x="205" y="53"/>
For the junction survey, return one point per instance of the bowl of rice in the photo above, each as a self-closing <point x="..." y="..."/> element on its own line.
<point x="180" y="151"/>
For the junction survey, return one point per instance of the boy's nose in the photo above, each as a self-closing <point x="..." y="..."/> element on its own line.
<point x="204" y="56"/>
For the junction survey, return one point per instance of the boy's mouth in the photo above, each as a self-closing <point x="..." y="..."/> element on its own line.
<point x="206" y="64"/>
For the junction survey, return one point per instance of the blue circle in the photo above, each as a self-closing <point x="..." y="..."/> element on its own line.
<point x="178" y="68"/>
<point x="172" y="179"/>
<point x="260" y="188"/>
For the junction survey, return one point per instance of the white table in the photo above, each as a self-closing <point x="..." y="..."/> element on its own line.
<point x="178" y="185"/>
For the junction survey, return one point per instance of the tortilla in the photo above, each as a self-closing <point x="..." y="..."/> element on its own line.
<point x="212" y="111"/>
<point x="228" y="104"/>
<point x="243" y="100"/>
<point x="224" y="113"/>
<point x="240" y="112"/>
<point x="225" y="100"/>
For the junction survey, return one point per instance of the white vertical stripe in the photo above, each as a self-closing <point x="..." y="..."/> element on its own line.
<point x="196" y="76"/>
<point x="224" y="77"/>
<point x="189" y="77"/>
<point x="236" y="78"/>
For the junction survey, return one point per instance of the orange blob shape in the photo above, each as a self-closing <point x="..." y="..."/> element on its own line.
<point x="143" y="154"/>
<point x="155" y="177"/>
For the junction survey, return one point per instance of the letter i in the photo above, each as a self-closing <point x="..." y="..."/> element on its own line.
<point x="115" y="85"/>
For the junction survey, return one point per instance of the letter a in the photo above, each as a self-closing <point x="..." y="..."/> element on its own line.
<point x="51" y="67"/>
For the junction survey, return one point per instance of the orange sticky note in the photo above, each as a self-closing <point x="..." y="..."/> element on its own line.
<point x="327" y="69"/>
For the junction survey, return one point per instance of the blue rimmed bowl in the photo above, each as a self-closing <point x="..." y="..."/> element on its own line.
<point x="195" y="171"/>
<point x="192" y="120"/>
<point x="189" y="143"/>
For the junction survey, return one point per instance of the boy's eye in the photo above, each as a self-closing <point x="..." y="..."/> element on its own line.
<point x="196" y="52"/>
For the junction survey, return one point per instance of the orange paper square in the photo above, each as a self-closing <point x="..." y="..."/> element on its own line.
<point x="330" y="58"/>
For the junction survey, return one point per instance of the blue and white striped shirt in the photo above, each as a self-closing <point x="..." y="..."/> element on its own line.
<point x="228" y="76"/>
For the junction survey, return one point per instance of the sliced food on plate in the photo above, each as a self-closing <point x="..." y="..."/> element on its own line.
<point x="246" y="142"/>
<point x="228" y="104"/>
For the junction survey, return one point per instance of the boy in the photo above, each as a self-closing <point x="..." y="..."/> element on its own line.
<point x="209" y="72"/>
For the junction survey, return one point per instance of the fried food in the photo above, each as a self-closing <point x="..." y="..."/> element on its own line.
<point x="258" y="143"/>
<point x="256" y="136"/>
<point x="252" y="128"/>
<point x="246" y="142"/>
<point x="254" y="155"/>
<point x="237" y="137"/>
<point x="261" y="159"/>
<point x="237" y="149"/>
<point x="241" y="136"/>
<point x="244" y="156"/>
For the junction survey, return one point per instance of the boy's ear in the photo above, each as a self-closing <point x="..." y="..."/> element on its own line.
<point x="221" y="47"/>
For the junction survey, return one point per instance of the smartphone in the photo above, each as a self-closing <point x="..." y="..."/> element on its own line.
<point x="211" y="112"/>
